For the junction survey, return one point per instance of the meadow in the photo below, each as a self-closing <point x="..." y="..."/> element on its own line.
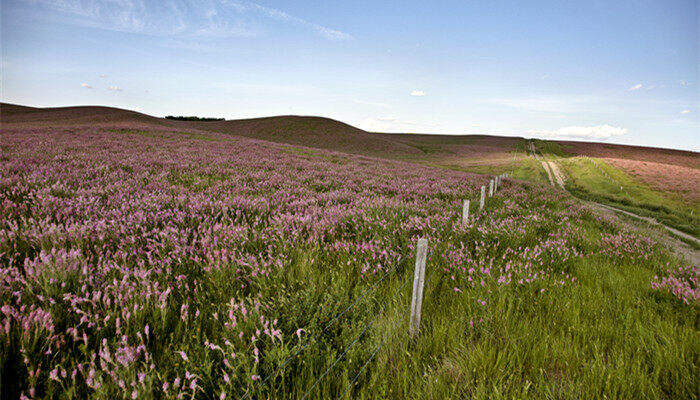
<point x="175" y="265"/>
<point x="665" y="192"/>
<point x="601" y="181"/>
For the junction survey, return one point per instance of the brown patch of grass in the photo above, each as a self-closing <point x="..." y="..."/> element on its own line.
<point x="681" y="158"/>
<point x="663" y="177"/>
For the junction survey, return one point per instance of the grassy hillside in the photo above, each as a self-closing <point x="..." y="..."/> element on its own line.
<point x="323" y="133"/>
<point x="599" y="180"/>
<point x="639" y="153"/>
<point x="674" y="170"/>
<point x="13" y="115"/>
<point x="157" y="264"/>
<point x="615" y="187"/>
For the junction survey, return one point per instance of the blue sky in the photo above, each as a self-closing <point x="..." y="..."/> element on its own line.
<point x="616" y="71"/>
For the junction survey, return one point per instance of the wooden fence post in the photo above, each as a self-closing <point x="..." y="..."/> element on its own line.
<point x="491" y="188"/>
<point x="418" y="282"/>
<point x="483" y="198"/>
<point x="465" y="212"/>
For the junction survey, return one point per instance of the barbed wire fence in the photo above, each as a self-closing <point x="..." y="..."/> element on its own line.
<point x="494" y="186"/>
<point x="324" y="329"/>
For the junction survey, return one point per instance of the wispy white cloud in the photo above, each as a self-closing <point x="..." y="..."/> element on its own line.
<point x="103" y="76"/>
<point x="274" y="13"/>
<point x="685" y="112"/>
<point x="387" y="119"/>
<point x="547" y="104"/>
<point x="85" y="85"/>
<point x="331" y="34"/>
<point x="418" y="93"/>
<point x="587" y="132"/>
<point x="636" y="87"/>
<point x="204" y="18"/>
<point x="115" y="89"/>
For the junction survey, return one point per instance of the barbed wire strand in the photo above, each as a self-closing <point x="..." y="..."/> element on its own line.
<point x="401" y="318"/>
<point x="333" y="321"/>
<point x="356" y="339"/>
<point x="391" y="331"/>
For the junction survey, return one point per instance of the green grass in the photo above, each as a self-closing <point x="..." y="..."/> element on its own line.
<point x="599" y="338"/>
<point x="314" y="154"/>
<point x="531" y="170"/>
<point x="164" y="135"/>
<point x="549" y="148"/>
<point x="525" y="168"/>
<point x="621" y="190"/>
<point x="608" y="335"/>
<point x="521" y="166"/>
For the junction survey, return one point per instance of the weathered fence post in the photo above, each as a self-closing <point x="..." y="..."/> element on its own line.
<point x="491" y="188"/>
<point x="418" y="281"/>
<point x="483" y="198"/>
<point x="465" y="212"/>
<point x="495" y="184"/>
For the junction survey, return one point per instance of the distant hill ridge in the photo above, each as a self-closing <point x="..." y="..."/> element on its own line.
<point x="324" y="133"/>
<point x="308" y="131"/>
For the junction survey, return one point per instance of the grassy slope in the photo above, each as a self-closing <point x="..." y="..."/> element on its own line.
<point x="620" y="189"/>
<point x="628" y="193"/>
<point x="640" y="153"/>
<point x="607" y="335"/>
<point x="473" y="153"/>
<point x="513" y="159"/>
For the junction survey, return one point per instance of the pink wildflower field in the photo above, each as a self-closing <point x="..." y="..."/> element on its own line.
<point x="182" y="264"/>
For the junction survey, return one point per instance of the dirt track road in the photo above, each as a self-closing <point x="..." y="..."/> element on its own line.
<point x="681" y="248"/>
<point x="546" y="165"/>
<point x="558" y="175"/>
<point x="558" y="178"/>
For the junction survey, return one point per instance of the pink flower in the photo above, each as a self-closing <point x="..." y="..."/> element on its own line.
<point x="183" y="355"/>
<point x="54" y="374"/>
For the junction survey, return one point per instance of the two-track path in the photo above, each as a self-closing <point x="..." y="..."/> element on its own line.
<point x="558" y="178"/>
